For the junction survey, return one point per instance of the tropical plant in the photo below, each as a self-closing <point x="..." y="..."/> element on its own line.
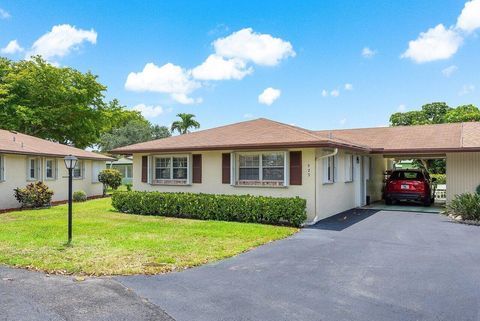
<point x="34" y="195"/>
<point x="185" y="123"/>
<point x="466" y="205"/>
<point x="110" y="178"/>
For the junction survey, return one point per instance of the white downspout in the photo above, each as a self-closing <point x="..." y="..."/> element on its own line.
<point x="335" y="152"/>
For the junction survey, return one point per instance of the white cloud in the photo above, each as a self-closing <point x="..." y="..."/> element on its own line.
<point x="4" y="14"/>
<point x="61" y="40"/>
<point x="268" y="96"/>
<point x="368" y="53"/>
<point x="324" y="93"/>
<point x="401" y="108"/>
<point x="149" y="111"/>
<point x="12" y="48"/>
<point x="169" y="78"/>
<point x="447" y="72"/>
<point x="435" y="44"/>
<point x="343" y="121"/>
<point x="219" y="68"/>
<point x="469" y="19"/>
<point x="466" y="89"/>
<point x="348" y="86"/>
<point x="335" y="93"/>
<point x="261" y="49"/>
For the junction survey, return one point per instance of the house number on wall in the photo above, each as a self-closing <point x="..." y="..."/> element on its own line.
<point x="308" y="170"/>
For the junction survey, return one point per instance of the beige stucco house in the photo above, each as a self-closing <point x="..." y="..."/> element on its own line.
<point x="25" y="159"/>
<point x="333" y="170"/>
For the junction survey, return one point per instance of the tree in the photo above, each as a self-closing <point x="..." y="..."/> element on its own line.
<point x="463" y="113"/>
<point x="56" y="103"/>
<point x="135" y="131"/>
<point x="110" y="178"/>
<point x="186" y="122"/>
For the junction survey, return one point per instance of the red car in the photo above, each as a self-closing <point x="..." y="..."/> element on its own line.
<point x="410" y="185"/>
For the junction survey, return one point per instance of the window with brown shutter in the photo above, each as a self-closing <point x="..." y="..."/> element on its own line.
<point x="226" y="168"/>
<point x="144" y="169"/>
<point x="296" y="168"/>
<point x="197" y="168"/>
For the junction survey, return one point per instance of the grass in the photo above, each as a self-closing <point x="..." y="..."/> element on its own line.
<point x="110" y="243"/>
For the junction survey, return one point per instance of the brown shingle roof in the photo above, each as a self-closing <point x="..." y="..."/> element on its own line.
<point x="264" y="133"/>
<point x="259" y="133"/>
<point x="17" y="143"/>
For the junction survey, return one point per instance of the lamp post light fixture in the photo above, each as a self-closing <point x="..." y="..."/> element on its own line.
<point x="70" y="163"/>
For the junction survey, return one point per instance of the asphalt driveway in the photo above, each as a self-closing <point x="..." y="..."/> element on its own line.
<point x="360" y="265"/>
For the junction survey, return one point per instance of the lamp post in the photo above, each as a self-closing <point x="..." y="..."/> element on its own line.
<point x="70" y="162"/>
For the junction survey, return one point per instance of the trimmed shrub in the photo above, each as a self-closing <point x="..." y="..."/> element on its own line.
<point x="79" y="196"/>
<point x="240" y="208"/>
<point x="34" y="195"/>
<point x="466" y="205"/>
<point x="129" y="186"/>
<point x="110" y="178"/>
<point x="441" y="178"/>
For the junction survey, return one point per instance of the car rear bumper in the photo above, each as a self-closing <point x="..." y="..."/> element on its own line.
<point x="405" y="196"/>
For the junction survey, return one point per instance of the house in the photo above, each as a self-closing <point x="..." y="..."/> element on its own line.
<point x="125" y="166"/>
<point x="25" y="159"/>
<point x="334" y="170"/>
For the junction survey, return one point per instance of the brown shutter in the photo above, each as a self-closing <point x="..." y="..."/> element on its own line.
<point x="197" y="168"/>
<point x="296" y="168"/>
<point x="144" y="169"/>
<point x="226" y="168"/>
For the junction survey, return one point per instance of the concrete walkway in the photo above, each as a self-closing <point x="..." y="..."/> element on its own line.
<point x="361" y="265"/>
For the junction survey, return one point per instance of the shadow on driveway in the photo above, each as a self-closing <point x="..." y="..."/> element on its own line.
<point x="343" y="220"/>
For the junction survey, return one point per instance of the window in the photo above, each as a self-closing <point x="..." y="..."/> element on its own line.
<point x="261" y="169"/>
<point x="33" y="169"/>
<point x="78" y="170"/>
<point x="50" y="168"/>
<point x="2" y="168"/>
<point x="171" y="169"/>
<point x="349" y="168"/>
<point x="329" y="169"/>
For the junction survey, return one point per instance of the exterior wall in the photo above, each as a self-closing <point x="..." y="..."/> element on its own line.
<point x="16" y="176"/>
<point x="463" y="173"/>
<point x="212" y="180"/>
<point x="336" y="197"/>
<point x="378" y="166"/>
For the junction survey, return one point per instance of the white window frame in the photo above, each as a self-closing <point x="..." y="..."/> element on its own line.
<point x="2" y="168"/>
<point x="79" y="165"/>
<point x="54" y="169"/>
<point x="330" y="169"/>
<point x="349" y="171"/>
<point x="171" y="180"/>
<point x="260" y="182"/>
<point x="36" y="169"/>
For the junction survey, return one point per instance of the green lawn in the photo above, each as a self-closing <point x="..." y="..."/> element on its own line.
<point x="110" y="243"/>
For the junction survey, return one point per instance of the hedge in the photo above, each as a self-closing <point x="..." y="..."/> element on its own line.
<point x="240" y="208"/>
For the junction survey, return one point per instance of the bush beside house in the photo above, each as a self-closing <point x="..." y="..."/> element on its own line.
<point x="34" y="195"/>
<point x="110" y="178"/>
<point x="79" y="196"/>
<point x="465" y="207"/>
<point x="241" y="208"/>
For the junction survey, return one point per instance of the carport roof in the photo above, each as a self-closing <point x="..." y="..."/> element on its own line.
<point x="264" y="133"/>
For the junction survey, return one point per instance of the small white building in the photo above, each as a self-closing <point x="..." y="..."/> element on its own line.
<point x="334" y="170"/>
<point x="25" y="159"/>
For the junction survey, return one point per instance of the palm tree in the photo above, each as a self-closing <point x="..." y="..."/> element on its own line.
<point x="187" y="121"/>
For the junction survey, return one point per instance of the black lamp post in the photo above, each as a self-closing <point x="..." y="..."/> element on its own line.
<point x="70" y="162"/>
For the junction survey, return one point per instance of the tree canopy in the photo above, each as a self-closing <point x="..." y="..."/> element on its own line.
<point x="186" y="122"/>
<point x="133" y="132"/>
<point x="57" y="103"/>
<point x="436" y="113"/>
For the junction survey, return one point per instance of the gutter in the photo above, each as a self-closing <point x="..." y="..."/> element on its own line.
<point x="335" y="152"/>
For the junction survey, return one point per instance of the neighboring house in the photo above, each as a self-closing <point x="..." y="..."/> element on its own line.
<point x="125" y="166"/>
<point x="333" y="170"/>
<point x="25" y="159"/>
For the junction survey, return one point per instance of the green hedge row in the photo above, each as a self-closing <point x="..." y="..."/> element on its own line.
<point x="240" y="208"/>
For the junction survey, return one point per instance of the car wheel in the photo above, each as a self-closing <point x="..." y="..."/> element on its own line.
<point x="427" y="201"/>
<point x="388" y="201"/>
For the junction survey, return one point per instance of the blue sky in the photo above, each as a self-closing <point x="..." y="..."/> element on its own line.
<point x="308" y="52"/>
